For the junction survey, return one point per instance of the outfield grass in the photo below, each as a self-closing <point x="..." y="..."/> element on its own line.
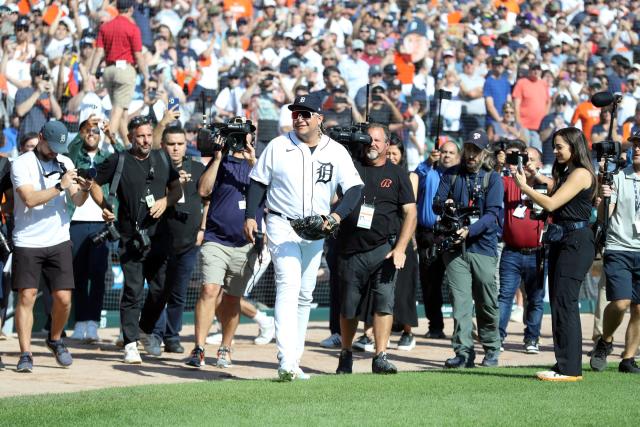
<point x="502" y="396"/>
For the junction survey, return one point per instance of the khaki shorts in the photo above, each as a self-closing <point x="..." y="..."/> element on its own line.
<point x="228" y="266"/>
<point x="120" y="83"/>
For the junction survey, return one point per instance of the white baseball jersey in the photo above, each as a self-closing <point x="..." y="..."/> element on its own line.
<point x="300" y="183"/>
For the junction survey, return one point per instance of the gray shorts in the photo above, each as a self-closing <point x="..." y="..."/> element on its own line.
<point x="368" y="282"/>
<point x="227" y="266"/>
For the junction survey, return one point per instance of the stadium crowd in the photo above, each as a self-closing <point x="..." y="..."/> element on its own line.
<point x="101" y="105"/>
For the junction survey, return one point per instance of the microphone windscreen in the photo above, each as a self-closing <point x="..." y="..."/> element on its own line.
<point x="602" y="99"/>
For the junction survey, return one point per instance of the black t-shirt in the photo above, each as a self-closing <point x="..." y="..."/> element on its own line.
<point x="185" y="217"/>
<point x="387" y="188"/>
<point x="136" y="183"/>
<point x="383" y="115"/>
<point x="5" y="175"/>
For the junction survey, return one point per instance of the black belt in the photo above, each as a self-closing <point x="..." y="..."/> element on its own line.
<point x="523" y="251"/>
<point x="270" y="212"/>
<point x="569" y="226"/>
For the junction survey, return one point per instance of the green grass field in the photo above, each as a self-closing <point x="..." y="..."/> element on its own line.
<point x="503" y="396"/>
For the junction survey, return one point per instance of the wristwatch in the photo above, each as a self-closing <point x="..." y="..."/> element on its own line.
<point x="58" y="187"/>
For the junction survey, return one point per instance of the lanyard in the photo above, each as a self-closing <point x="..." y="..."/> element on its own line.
<point x="471" y="189"/>
<point x="636" y="193"/>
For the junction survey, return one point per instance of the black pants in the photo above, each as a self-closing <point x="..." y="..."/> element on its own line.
<point x="335" y="295"/>
<point x="569" y="261"/>
<point x="136" y="268"/>
<point x="404" y="310"/>
<point x="431" y="277"/>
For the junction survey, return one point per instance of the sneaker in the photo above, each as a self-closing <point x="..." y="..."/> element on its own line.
<point x="334" y="341"/>
<point x="173" y="346"/>
<point x="196" y="359"/>
<point x="286" y="375"/>
<point x="79" y="331"/>
<point x="131" y="354"/>
<point x="224" y="357"/>
<point x="345" y="362"/>
<point x="531" y="347"/>
<point x="435" y="335"/>
<point x="25" y="363"/>
<point x="407" y="342"/>
<point x="60" y="351"/>
<point x="299" y="374"/>
<point x="516" y="314"/>
<point x="380" y="365"/>
<point x="599" y="355"/>
<point x="151" y="344"/>
<point x="460" y="361"/>
<point x="490" y="359"/>
<point x="267" y="332"/>
<point x="629" y="366"/>
<point x="91" y="335"/>
<point x="557" y="377"/>
<point x="364" y="343"/>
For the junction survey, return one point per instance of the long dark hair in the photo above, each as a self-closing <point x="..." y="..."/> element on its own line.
<point x="580" y="157"/>
<point x="395" y="140"/>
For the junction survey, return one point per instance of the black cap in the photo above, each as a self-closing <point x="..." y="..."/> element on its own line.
<point x="22" y="21"/>
<point x="497" y="60"/>
<point x="395" y="84"/>
<point x="478" y="138"/>
<point x="390" y="69"/>
<point x="124" y="4"/>
<point x="309" y="102"/>
<point x="300" y="41"/>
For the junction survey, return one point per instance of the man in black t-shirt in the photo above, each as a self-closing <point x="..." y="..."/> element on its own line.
<point x="371" y="248"/>
<point x="147" y="187"/>
<point x="186" y="228"/>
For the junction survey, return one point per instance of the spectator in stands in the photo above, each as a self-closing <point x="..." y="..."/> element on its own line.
<point x="228" y="103"/>
<point x="508" y="128"/>
<point x="382" y="109"/>
<point x="120" y="54"/>
<point x="471" y="93"/>
<point x="587" y="113"/>
<point x="552" y="122"/>
<point x="28" y="142"/>
<point x="42" y="180"/>
<point x="496" y="91"/>
<point x="353" y="68"/>
<point x="600" y="131"/>
<point x="532" y="103"/>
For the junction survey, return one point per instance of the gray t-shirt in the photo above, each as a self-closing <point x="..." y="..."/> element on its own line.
<point x="621" y="235"/>
<point x="37" y="116"/>
<point x="473" y="106"/>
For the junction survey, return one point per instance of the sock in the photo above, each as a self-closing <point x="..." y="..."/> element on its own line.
<point x="260" y="318"/>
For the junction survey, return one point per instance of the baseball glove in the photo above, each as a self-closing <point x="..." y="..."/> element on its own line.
<point x="312" y="227"/>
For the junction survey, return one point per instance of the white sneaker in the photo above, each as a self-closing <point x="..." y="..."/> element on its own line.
<point x="300" y="375"/>
<point x="333" y="341"/>
<point x="267" y="332"/>
<point x="92" y="332"/>
<point x="216" y="339"/>
<point x="516" y="314"/>
<point x="79" y="331"/>
<point x="131" y="354"/>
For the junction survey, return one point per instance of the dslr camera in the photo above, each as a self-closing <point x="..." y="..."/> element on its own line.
<point x="141" y="240"/>
<point x="233" y="134"/>
<point x="445" y="230"/>
<point x="108" y="233"/>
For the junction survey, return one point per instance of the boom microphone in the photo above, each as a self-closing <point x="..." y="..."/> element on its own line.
<point x="603" y="99"/>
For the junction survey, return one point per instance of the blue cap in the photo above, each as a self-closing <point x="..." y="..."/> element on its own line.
<point x="416" y="26"/>
<point x="309" y="102"/>
<point x="479" y="139"/>
<point x="55" y="133"/>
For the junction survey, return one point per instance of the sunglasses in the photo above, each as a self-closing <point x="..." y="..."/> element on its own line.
<point x="138" y="121"/>
<point x="304" y="114"/>
<point x="94" y="131"/>
<point x="22" y="29"/>
<point x="599" y="68"/>
<point x="508" y="112"/>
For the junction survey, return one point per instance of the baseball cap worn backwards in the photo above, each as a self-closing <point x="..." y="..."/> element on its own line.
<point x="55" y="133"/>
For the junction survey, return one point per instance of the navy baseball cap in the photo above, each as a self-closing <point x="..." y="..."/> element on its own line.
<point x="55" y="133"/>
<point x="479" y="139"/>
<point x="306" y="103"/>
<point x="416" y="26"/>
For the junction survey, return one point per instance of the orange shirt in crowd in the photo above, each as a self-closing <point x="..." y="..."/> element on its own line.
<point x="511" y="5"/>
<point x="534" y="102"/>
<point x="589" y="116"/>
<point x="240" y="8"/>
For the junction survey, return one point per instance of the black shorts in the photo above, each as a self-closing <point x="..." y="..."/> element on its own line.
<point x="367" y="281"/>
<point x="53" y="262"/>
<point x="622" y="271"/>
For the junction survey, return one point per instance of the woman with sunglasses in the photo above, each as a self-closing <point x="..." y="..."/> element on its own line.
<point x="508" y="128"/>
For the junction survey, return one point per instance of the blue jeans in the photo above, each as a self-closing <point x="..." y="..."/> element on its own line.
<point x="90" y="263"/>
<point x="179" y="270"/>
<point x="514" y="268"/>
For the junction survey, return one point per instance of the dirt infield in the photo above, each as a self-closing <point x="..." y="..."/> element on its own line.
<point x="99" y="365"/>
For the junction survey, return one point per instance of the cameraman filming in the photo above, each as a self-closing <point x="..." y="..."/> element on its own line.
<point x="41" y="180"/>
<point x="471" y="268"/>
<point x="148" y="185"/>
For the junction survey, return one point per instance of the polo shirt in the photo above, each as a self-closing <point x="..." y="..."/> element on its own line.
<point x="120" y="38"/>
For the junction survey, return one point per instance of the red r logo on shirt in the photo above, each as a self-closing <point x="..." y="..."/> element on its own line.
<point x="386" y="183"/>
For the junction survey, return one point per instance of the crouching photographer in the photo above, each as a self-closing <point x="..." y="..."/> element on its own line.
<point x="145" y="184"/>
<point x="469" y="199"/>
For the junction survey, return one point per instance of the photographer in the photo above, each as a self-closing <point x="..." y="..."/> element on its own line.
<point x="184" y="221"/>
<point x="522" y="258"/>
<point x="372" y="245"/>
<point x="571" y="246"/>
<point x="228" y="258"/>
<point x="90" y="259"/>
<point x="426" y="178"/>
<point x="622" y="264"/>
<point x="148" y="185"/>
<point x="41" y="180"/>
<point x="470" y="265"/>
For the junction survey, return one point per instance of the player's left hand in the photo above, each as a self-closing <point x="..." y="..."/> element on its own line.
<point x="399" y="258"/>
<point x="158" y="208"/>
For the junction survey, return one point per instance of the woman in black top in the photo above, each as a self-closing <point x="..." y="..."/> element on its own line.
<point x="570" y="257"/>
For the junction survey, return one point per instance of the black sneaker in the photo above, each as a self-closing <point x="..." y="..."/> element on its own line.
<point x="25" y="363"/>
<point x="407" y="342"/>
<point x="436" y="335"/>
<point x="598" y="360"/>
<point x="196" y="359"/>
<point x="173" y="347"/>
<point x="380" y="365"/>
<point x="460" y="361"/>
<point x="345" y="362"/>
<point x="490" y="359"/>
<point x="629" y="366"/>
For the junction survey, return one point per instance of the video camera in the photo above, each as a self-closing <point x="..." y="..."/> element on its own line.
<point x="109" y="232"/>
<point x="353" y="137"/>
<point x="233" y="134"/>
<point x="445" y="230"/>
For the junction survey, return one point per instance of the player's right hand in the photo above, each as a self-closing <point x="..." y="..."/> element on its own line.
<point x="250" y="228"/>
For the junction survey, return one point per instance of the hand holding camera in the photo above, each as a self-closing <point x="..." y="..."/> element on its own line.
<point x="158" y="208"/>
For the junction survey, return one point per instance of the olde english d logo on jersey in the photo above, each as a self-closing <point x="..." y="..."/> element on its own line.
<point x="325" y="172"/>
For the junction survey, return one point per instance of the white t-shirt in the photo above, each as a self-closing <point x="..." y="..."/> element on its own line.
<point x="299" y="183"/>
<point x="45" y="225"/>
<point x="89" y="211"/>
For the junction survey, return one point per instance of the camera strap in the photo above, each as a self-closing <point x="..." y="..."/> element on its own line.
<point x="115" y="182"/>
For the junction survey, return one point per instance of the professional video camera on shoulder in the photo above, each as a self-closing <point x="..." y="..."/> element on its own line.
<point x="233" y="136"/>
<point x="355" y="137"/>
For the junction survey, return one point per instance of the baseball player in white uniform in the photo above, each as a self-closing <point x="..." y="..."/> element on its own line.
<point x="299" y="172"/>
